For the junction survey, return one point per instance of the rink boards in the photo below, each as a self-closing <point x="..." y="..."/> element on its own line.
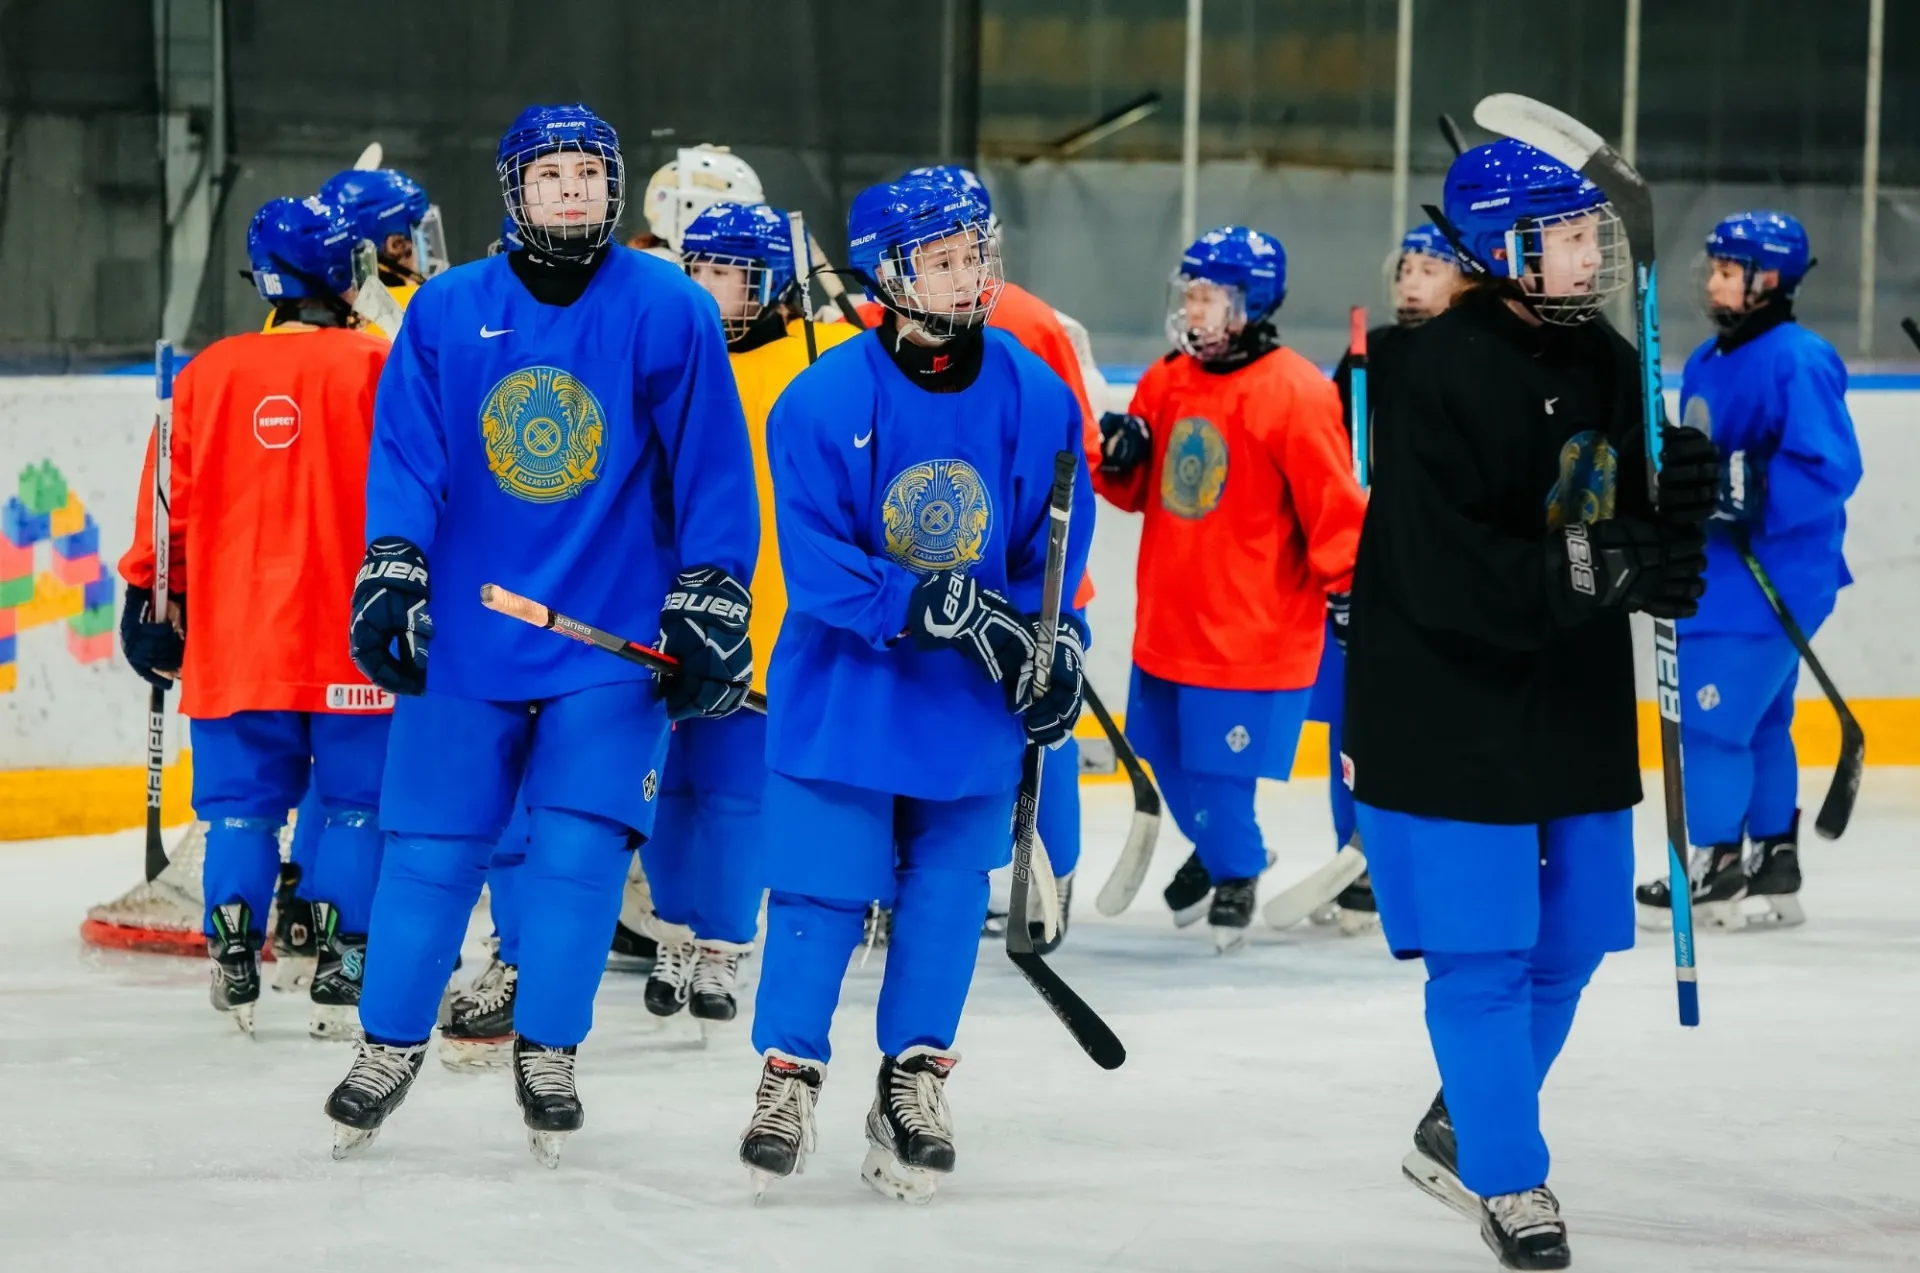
<point x="72" y="721"/>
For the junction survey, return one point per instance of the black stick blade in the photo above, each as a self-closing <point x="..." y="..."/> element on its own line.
<point x="1837" y="809"/>
<point x="1094" y="1036"/>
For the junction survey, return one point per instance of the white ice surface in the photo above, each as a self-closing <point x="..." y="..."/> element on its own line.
<point x="1257" y="1126"/>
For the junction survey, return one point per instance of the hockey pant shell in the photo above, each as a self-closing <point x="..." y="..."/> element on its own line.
<point x="250" y="768"/>
<point x="1208" y="749"/>
<point x="1736" y="723"/>
<point x="1329" y="704"/>
<point x="839" y="847"/>
<point x="703" y="859"/>
<point x="1512" y="921"/>
<point x="503" y="883"/>
<point x="587" y="766"/>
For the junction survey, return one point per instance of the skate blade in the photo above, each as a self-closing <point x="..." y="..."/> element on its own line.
<point x="1187" y="916"/>
<point x="293" y="972"/>
<point x="1228" y="940"/>
<point x="891" y="1178"/>
<point x="349" y="1141"/>
<point x="334" y="1022"/>
<point x="1727" y="917"/>
<point x="473" y="1055"/>
<point x="545" y="1147"/>
<point x="1358" y="923"/>
<point x="1440" y="1184"/>
<point x="1783" y="910"/>
<point x="1322" y="916"/>
<point x="242" y="1015"/>
<point x="1655" y="919"/>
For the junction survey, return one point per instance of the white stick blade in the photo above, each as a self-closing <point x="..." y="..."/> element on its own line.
<point x="1309" y="895"/>
<point x="370" y="158"/>
<point x="1130" y="872"/>
<point x="1540" y="126"/>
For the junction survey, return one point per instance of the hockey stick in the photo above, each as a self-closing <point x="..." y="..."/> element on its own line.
<point x="803" y="275"/>
<point x="162" y="568"/>
<point x="836" y="290"/>
<point x="1837" y="808"/>
<point x="515" y="606"/>
<point x="1088" y="1030"/>
<point x="1912" y="329"/>
<point x="1130" y="872"/>
<point x="1582" y="149"/>
<point x="371" y="299"/>
<point x="370" y="158"/>
<point x="1451" y="131"/>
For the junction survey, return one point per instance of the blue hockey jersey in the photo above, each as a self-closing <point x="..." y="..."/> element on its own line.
<point x="1780" y="397"/>
<point x="579" y="455"/>
<point x="876" y="483"/>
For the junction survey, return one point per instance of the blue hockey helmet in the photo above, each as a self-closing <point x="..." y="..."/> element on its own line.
<point x="1249" y="271"/>
<point x="926" y="250"/>
<point x="1523" y="215"/>
<point x="954" y="175"/>
<point x="509" y="240"/>
<point x="1764" y="241"/>
<point x="377" y="203"/>
<point x="300" y="249"/>
<point x="1417" y="292"/>
<point x="753" y="238"/>
<point x="1425" y="239"/>
<point x="571" y="211"/>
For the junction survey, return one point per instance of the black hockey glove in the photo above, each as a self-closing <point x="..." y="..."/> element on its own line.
<point x="1050" y="718"/>
<point x="1689" y="474"/>
<point x="949" y="611"/>
<point x="1340" y="612"/>
<point x="390" y="610"/>
<point x="1626" y="564"/>
<point x="1743" y="490"/>
<point x="1125" y="443"/>
<point x="151" y="646"/>
<point x="703" y="627"/>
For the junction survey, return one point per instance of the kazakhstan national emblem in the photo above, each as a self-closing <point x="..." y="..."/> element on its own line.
<point x="1195" y="472"/>
<point x="937" y="516"/>
<point x="1585" y="491"/>
<point x="544" y="433"/>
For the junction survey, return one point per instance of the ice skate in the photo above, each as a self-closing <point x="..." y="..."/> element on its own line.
<point x="1774" y="880"/>
<point x="480" y="1035"/>
<point x="1354" y="908"/>
<point x="1434" y="1167"/>
<point x="671" y="980"/>
<point x="1186" y="895"/>
<point x="294" y="956"/>
<point x="1231" y="913"/>
<point x="780" y="1135"/>
<point x="909" y="1127"/>
<point x="1063" y="888"/>
<point x="1525" y="1230"/>
<point x="1719" y="882"/>
<point x="235" y="953"/>
<point x="374" y="1087"/>
<point x="340" y="964"/>
<point x="716" y="973"/>
<point x="549" y="1102"/>
<point x="635" y="937"/>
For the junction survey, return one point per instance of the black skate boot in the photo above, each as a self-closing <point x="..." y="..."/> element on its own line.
<point x="1186" y="895"/>
<point x="1434" y="1164"/>
<point x="635" y="945"/>
<point x="1719" y="882"/>
<point x="631" y="951"/>
<point x="909" y="1127"/>
<point x="337" y="974"/>
<point x="549" y="1102"/>
<point x="716" y="973"/>
<point x="1063" y="888"/>
<point x="779" y="1136"/>
<point x="1525" y="1230"/>
<point x="1354" y="907"/>
<point x="235" y="951"/>
<point x="1231" y="913"/>
<point x="293" y="952"/>
<point x="672" y="977"/>
<point x="374" y="1087"/>
<point x="480" y="1034"/>
<point x="1775" y="877"/>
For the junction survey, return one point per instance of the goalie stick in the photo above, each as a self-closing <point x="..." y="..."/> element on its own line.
<point x="162" y="568"/>
<point x="1580" y="148"/>
<point x="1837" y="808"/>
<point x="1130" y="872"/>
<point x="525" y="609"/>
<point x="1088" y="1030"/>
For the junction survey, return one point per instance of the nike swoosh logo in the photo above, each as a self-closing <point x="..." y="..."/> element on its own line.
<point x="489" y="335"/>
<point x="861" y="441"/>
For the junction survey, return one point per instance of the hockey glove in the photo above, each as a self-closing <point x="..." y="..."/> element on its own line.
<point x="1050" y="718"/>
<point x="391" y="629"/>
<point x="1743" y="490"/>
<point x="1340" y="613"/>
<point x="153" y="648"/>
<point x="1125" y="443"/>
<point x="703" y="627"/>
<point x="1626" y="564"/>
<point x="948" y="611"/>
<point x="1689" y="474"/>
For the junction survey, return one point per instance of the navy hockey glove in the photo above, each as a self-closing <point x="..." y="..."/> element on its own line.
<point x="1052" y="716"/>
<point x="1689" y="474"/>
<point x="152" y="647"/>
<point x="391" y="629"/>
<point x="1125" y="443"/>
<point x="949" y="611"/>
<point x="1340" y="611"/>
<point x="703" y="627"/>
<point x="1626" y="564"/>
<point x="1743" y="490"/>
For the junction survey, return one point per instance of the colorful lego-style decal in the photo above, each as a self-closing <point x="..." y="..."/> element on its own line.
<point x="68" y="582"/>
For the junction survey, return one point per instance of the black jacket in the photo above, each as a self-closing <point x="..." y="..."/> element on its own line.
<point x="1465" y="699"/>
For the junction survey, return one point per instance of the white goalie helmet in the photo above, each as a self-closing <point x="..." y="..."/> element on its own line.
<point x="699" y="177"/>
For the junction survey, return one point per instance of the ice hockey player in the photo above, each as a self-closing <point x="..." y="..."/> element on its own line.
<point x="703" y="858"/>
<point x="1233" y="450"/>
<point x="697" y="178"/>
<point x="1772" y="395"/>
<point x="559" y="420"/>
<point x="1423" y="277"/>
<point x="1490" y="732"/>
<point x="911" y="467"/>
<point x="270" y="443"/>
